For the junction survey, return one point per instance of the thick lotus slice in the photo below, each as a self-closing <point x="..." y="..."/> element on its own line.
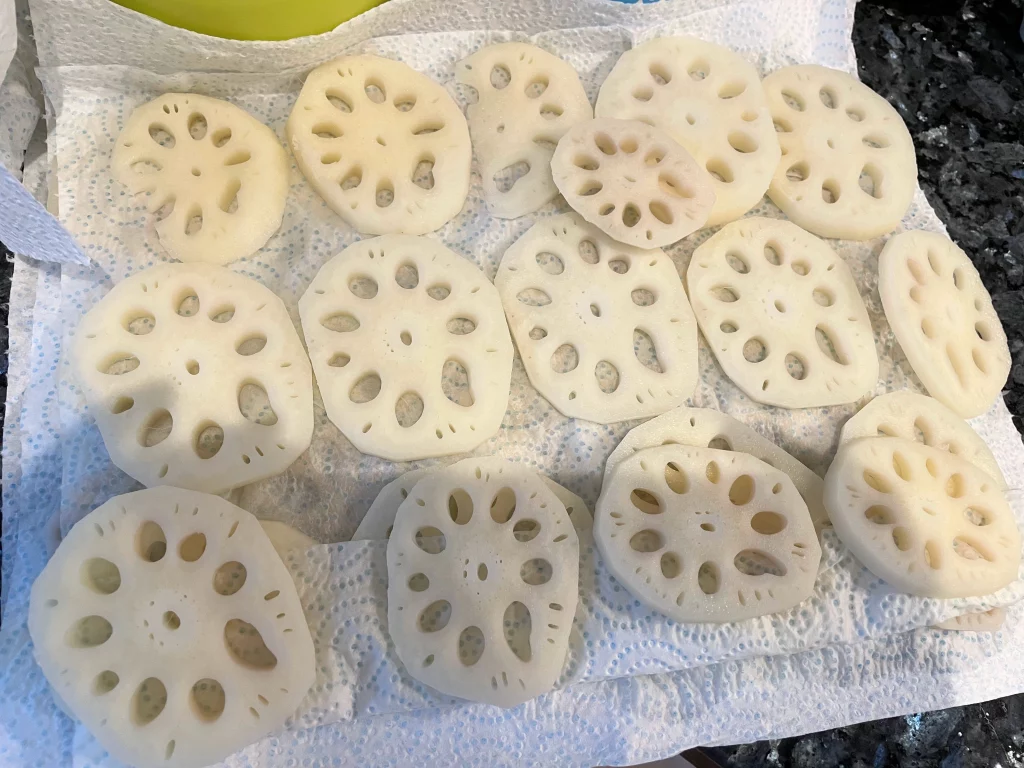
<point x="848" y="168"/>
<point x="706" y="535"/>
<point x="781" y="313"/>
<point x="926" y="521"/>
<point x="604" y="330"/>
<point x="483" y="568"/>
<point x="707" y="428"/>
<point x="169" y="626"/>
<point x="632" y="181"/>
<point x="284" y="537"/>
<point x="943" y="318"/>
<point x="196" y="378"/>
<point x="410" y="348"/>
<point x="527" y="99"/>
<point x="217" y="177"/>
<point x="383" y="145"/>
<point x="985" y="621"/>
<point x="710" y="100"/>
<point x="926" y="420"/>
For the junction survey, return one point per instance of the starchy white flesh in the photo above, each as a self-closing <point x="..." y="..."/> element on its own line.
<point x="943" y="318"/>
<point x="985" y="621"/>
<point x="216" y="177"/>
<point x="707" y="428"/>
<point x="410" y="348"/>
<point x="284" y="538"/>
<point x="169" y="626"/>
<point x="782" y="314"/>
<point x="385" y="146"/>
<point x="632" y="181"/>
<point x="848" y="167"/>
<point x="604" y="330"/>
<point x="483" y="570"/>
<point x="926" y="521"/>
<point x="924" y="419"/>
<point x="196" y="378"/>
<point x="710" y="100"/>
<point x="705" y="535"/>
<point x="527" y="99"/>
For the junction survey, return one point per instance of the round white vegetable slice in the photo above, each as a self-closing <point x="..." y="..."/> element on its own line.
<point x="483" y="568"/>
<point x="782" y="314"/>
<point x="196" y="378"/>
<point x="217" y="177"/>
<point x="926" y="521"/>
<point x="706" y="535"/>
<point x="985" y="621"/>
<point x="169" y="626"/>
<point x="926" y="420"/>
<point x="632" y="181"/>
<point x="410" y="348"/>
<point x="943" y="318"/>
<point x="285" y="538"/>
<point x="383" y="145"/>
<point x="707" y="428"/>
<point x="527" y="99"/>
<point x="710" y="100"/>
<point x="848" y="167"/>
<point x="604" y="330"/>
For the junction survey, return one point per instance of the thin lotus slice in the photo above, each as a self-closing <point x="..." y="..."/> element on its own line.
<point x="410" y="348"/>
<point x="483" y="569"/>
<point x="943" y="318"/>
<point x="848" y="167"/>
<point x="706" y="535"/>
<point x="284" y="538"/>
<point x="216" y="176"/>
<point x="928" y="522"/>
<point x="632" y="181"/>
<point x="196" y="378"/>
<point x="710" y="100"/>
<point x="985" y="621"/>
<point x="169" y="626"/>
<point x="782" y="314"/>
<point x="604" y="330"/>
<point x="385" y="146"/>
<point x="527" y="99"/>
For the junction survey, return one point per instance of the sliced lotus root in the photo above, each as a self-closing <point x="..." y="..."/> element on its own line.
<point x="705" y="535"/>
<point x="710" y="100"/>
<point x="217" y="178"/>
<point x="527" y="99"/>
<point x="196" y="378"/>
<point x="169" y="626"/>
<point x="848" y="167"/>
<point x="604" y="330"/>
<point x="284" y="538"/>
<point x="410" y="348"/>
<point x="781" y="313"/>
<point x="483" y="568"/>
<point x="985" y="621"/>
<point x="943" y="318"/>
<point x="708" y="428"/>
<point x="926" y="521"/>
<point x="632" y="181"/>
<point x="926" y="420"/>
<point x="383" y="145"/>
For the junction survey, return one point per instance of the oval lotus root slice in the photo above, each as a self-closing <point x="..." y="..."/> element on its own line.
<point x="848" y="167"/>
<point x="706" y="535"/>
<point x="383" y="145"/>
<point x="710" y="100"/>
<point x="169" y="626"/>
<point x="604" y="330"/>
<point x="483" y="568"/>
<point x="708" y="428"/>
<point x="216" y="177"/>
<point x="632" y="181"/>
<point x="527" y="99"/>
<point x="782" y="314"/>
<point x="196" y="378"/>
<point x="410" y="348"/>
<point x="926" y="420"/>
<point x="943" y="318"/>
<point x="985" y="621"/>
<point x="926" y="521"/>
<point x="284" y="538"/>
